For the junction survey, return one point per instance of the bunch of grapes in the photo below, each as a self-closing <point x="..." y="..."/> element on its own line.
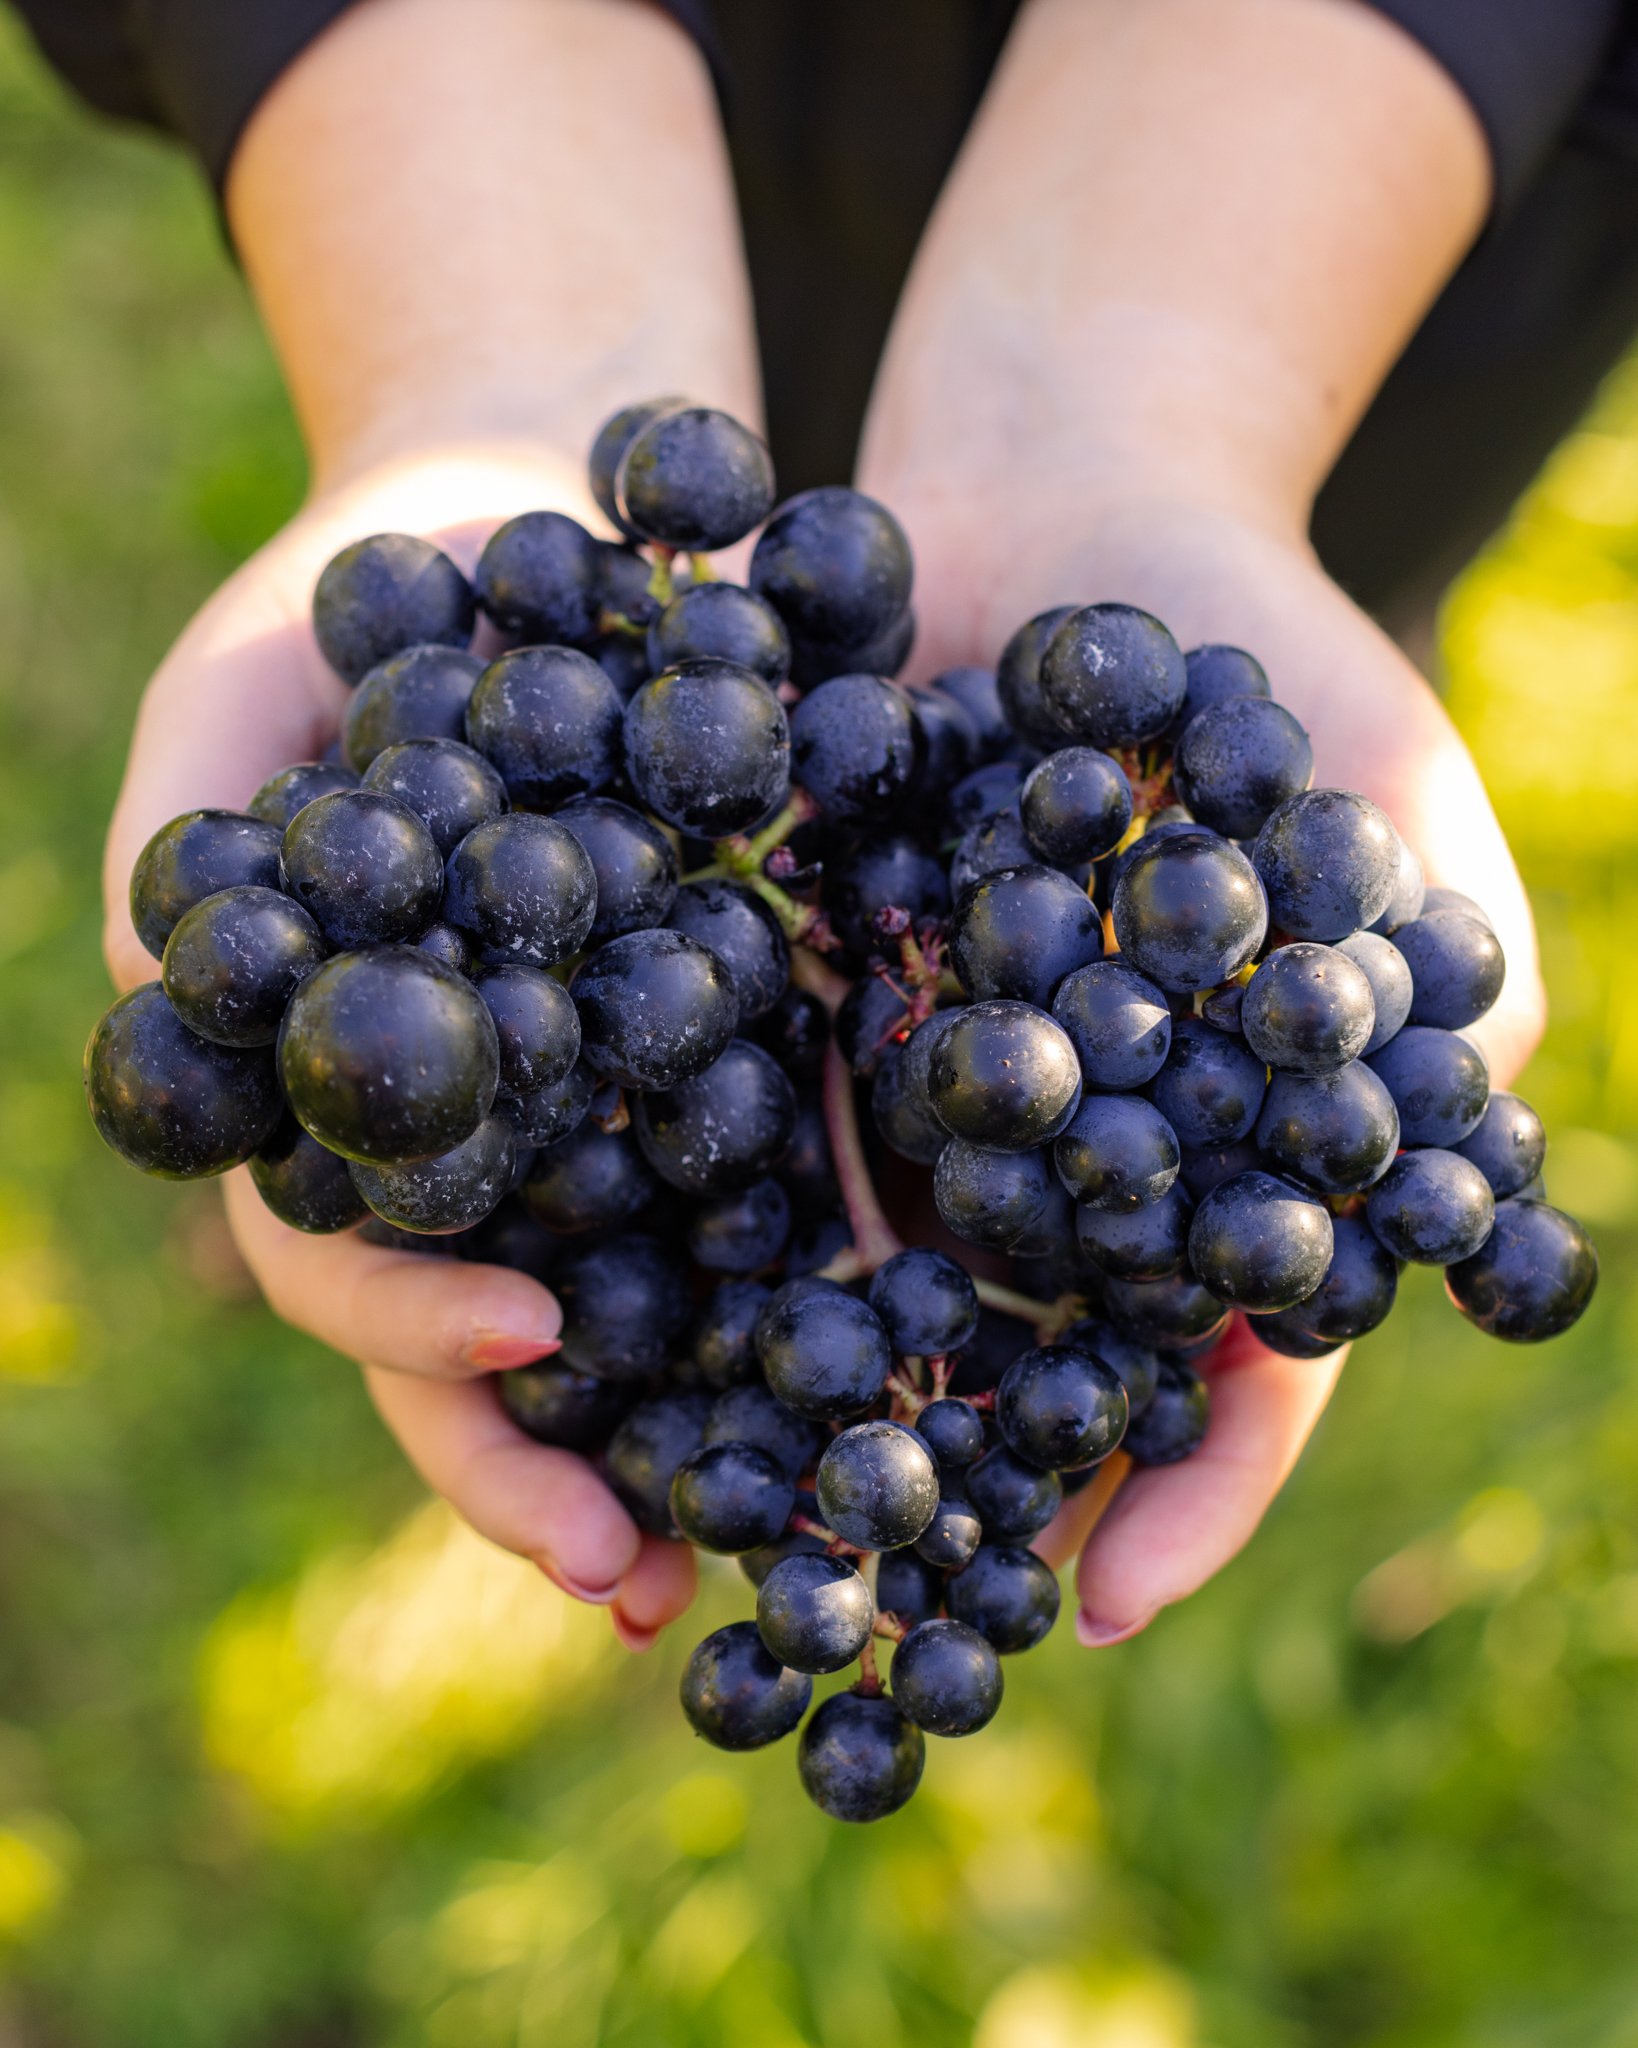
<point x="634" y="956"/>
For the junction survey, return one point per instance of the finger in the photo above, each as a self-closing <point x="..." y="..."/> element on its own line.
<point x="1171" y="1527"/>
<point x="660" y="1586"/>
<point x="543" y="1503"/>
<point x="438" y="1318"/>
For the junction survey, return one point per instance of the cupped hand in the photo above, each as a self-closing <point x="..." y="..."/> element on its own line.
<point x="988" y="558"/>
<point x="243" y="693"/>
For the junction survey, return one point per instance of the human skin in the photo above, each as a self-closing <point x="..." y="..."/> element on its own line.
<point x="1182" y="248"/>
<point x="1131" y="348"/>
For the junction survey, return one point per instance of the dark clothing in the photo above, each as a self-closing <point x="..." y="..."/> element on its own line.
<point x="844" y="116"/>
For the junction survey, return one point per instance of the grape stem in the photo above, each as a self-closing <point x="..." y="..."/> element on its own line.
<point x="1047" y="1317"/>
<point x="810" y="973"/>
<point x="874" y="1239"/>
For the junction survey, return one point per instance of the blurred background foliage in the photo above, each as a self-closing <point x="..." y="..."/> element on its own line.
<point x="286" y="1757"/>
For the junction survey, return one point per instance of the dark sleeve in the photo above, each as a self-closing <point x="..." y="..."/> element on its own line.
<point x="198" y="68"/>
<point x="1526" y="67"/>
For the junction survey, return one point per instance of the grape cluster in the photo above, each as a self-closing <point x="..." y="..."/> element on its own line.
<point x="633" y="956"/>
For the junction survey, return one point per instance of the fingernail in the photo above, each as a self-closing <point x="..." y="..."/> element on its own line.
<point x="594" y="1596"/>
<point x="1093" y="1634"/>
<point x="495" y="1351"/>
<point x="635" y="1639"/>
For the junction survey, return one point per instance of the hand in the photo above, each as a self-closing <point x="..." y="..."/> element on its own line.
<point x="245" y="692"/>
<point x="989" y="555"/>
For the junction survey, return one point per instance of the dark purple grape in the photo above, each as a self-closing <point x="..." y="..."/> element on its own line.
<point x="1507" y="1145"/>
<point x="1456" y="965"/>
<point x="1329" y="860"/>
<point x="364" y="868"/>
<point x="1174" y="1425"/>
<point x="655" y="1008"/>
<point x="304" y="1184"/>
<point x="1308" y="1009"/>
<point x="1356" y="1294"/>
<point x="977" y="693"/>
<point x="926" y="1302"/>
<point x="1188" y="910"/>
<point x="1238" y="762"/>
<point x="736" y="1695"/>
<point x="877" y="1486"/>
<point x="1439" y="1082"/>
<point x="947" y="1678"/>
<point x="1211" y="1087"/>
<point x="743" y="933"/>
<point x="708" y="748"/>
<point x="952" y="1430"/>
<point x="1532" y="1277"/>
<point x="721" y="622"/>
<point x="990" y="1198"/>
<point x="1383" y="966"/>
<point x="1409" y="895"/>
<point x="1118" y="1023"/>
<point x="877" y="874"/>
<point x="1008" y="1594"/>
<point x="1017" y="933"/>
<point x="859" y="1758"/>
<point x="554" y="1404"/>
<point x="171" y="1102"/>
<point x="1002" y="1074"/>
<point x="281" y="796"/>
<point x="1217" y="674"/>
<point x="386" y="593"/>
<point x="420" y="694"/>
<point x="1117" y="1152"/>
<point x="1138" y="1244"/>
<point x="720" y="1130"/>
<point x="191" y="858"/>
<point x="825" y="1353"/>
<point x="1075" y="805"/>
<point x="233" y="962"/>
<point x="694" y="478"/>
<point x="730" y="1497"/>
<point x="835" y="565"/>
<point x="536" y="1025"/>
<point x="1336" y="1133"/>
<point x="624" y="1300"/>
<point x="540" y="578"/>
<point x="908" y="1586"/>
<point x="591" y="1179"/>
<point x="634" y="862"/>
<point x="856" y="748"/>
<point x="645" y="1451"/>
<point x="451" y="1191"/>
<point x="1058" y="1407"/>
<point x="448" y="786"/>
<point x="1259" y="1244"/>
<point x="614" y="437"/>
<point x="724" y="1344"/>
<point x="814" y="1613"/>
<point x="741" y="1233"/>
<point x="1112" y="676"/>
<point x="522" y="888"/>
<point x="754" y="1414"/>
<point x="1432" y="1206"/>
<point x="550" y="721"/>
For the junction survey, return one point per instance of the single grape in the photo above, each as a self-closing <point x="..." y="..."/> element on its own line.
<point x="741" y="1233"/>
<point x="927" y="1303"/>
<point x="364" y="868"/>
<point x="591" y="1179"/>
<point x="721" y="622"/>
<point x="835" y="565"/>
<point x="1174" y="1314"/>
<point x="170" y="1102"/>
<point x="1507" y="1144"/>
<point x="1258" y="1244"/>
<point x="694" y="478"/>
<point x="814" y="1613"/>
<point x="1138" y="1244"/>
<point x="1384" y="967"/>
<point x="386" y="593"/>
<point x="825" y="1353"/>
<point x="1188" y="910"/>
<point x="996" y="842"/>
<point x="1336" y="1133"/>
<point x="1216" y="674"/>
<point x="736" y="1695"/>
<point x="1308" y="1009"/>
<point x="1238" y="762"/>
<point x="997" y="786"/>
<point x="540" y="578"/>
<point x="550" y="1113"/>
<point x="1532" y="1277"/>
<point x="550" y="721"/>
<point x="754" y="1414"/>
<point x="1456" y="968"/>
<point x="947" y="1678"/>
<point x="877" y="1486"/>
<point x="304" y="1184"/>
<point x="448" y="786"/>
<point x="730" y="1497"/>
<point x="1058" y="1407"/>
<point x="282" y="795"/>
<point x="1117" y="1152"/>
<point x="655" y="1008"/>
<point x="990" y="1198"/>
<point x="1206" y="1167"/>
<point x="1432" y="1206"/>
<point x="1017" y="933"/>
<point x="387" y="1057"/>
<point x="743" y="933"/>
<point x="1075" y="805"/>
<point x="901" y="1107"/>
<point x="1211" y="1087"/>
<point x="1002" y="1074"/>
<point x="191" y="858"/>
<point x="1439" y="1082"/>
<point x="1007" y="1594"/>
<point x="1174" y="1425"/>
<point x="1015" y="1499"/>
<point x="953" y="1534"/>
<point x="420" y="694"/>
<point x="707" y="747"/>
<point x="234" y="960"/>
<point x="1329" y="860"/>
<point x="447" y="946"/>
<point x="451" y="1191"/>
<point x="624" y="1300"/>
<point x="522" y="888"/>
<point x="859" y="1758"/>
<point x="634" y="862"/>
<point x="1118" y="1023"/>
<point x="1112" y="676"/>
<point x="645" y="1451"/>
<point x="722" y="1129"/>
<point x="856" y="748"/>
<point x="536" y="1026"/>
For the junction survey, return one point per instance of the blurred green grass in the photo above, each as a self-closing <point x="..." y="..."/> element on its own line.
<point x="285" y="1758"/>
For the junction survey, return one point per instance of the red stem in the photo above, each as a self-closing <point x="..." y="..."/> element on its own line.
<point x="874" y="1239"/>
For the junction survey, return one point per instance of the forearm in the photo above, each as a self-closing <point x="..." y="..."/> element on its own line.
<point x="1184" y="244"/>
<point x="485" y="224"/>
